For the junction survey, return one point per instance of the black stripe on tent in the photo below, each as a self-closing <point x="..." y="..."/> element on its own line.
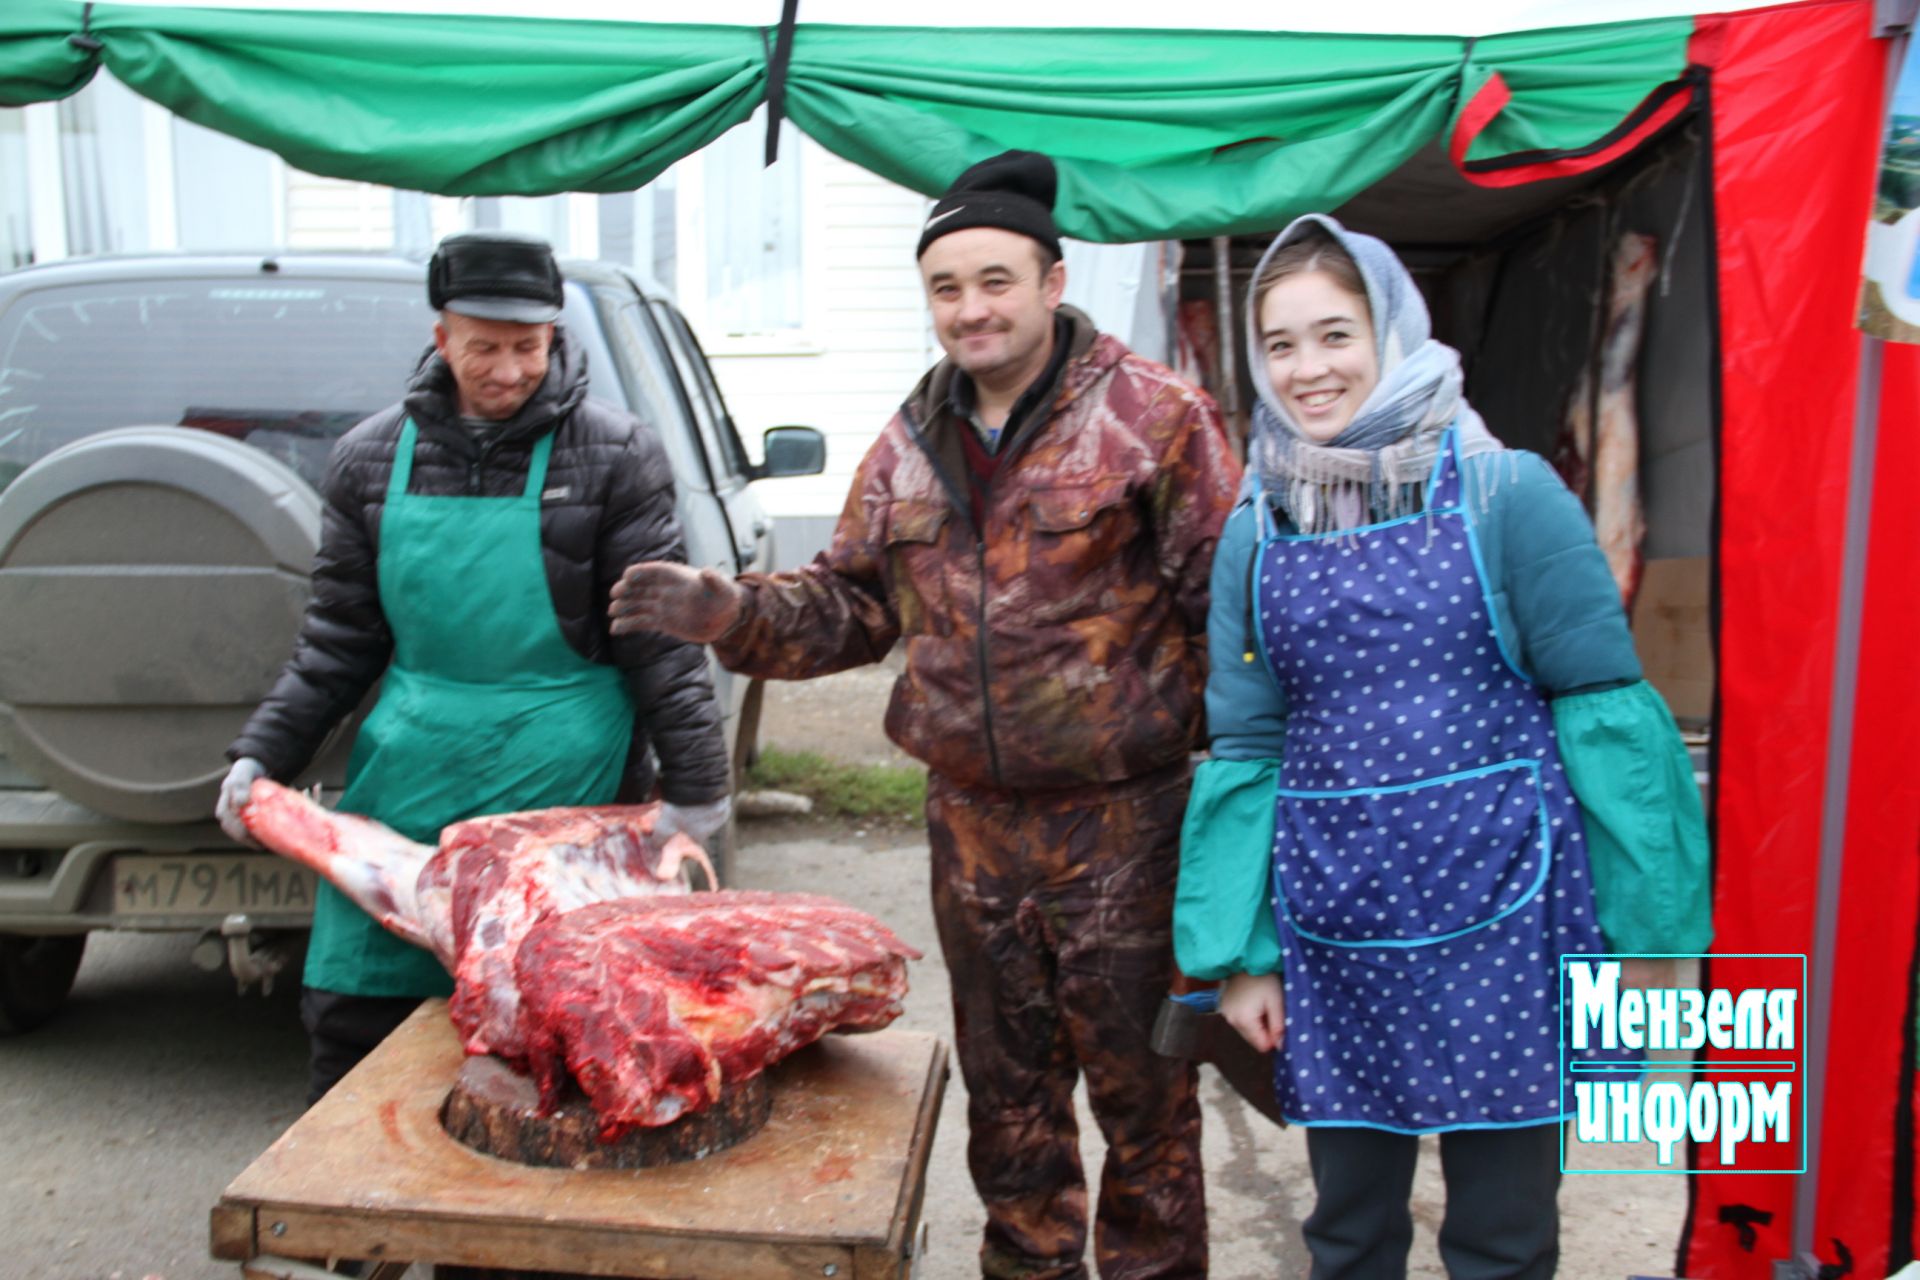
<point x="778" y="56"/>
<point x="1900" y="1239"/>
<point x="84" y="39"/>
<point x="1709" y="169"/>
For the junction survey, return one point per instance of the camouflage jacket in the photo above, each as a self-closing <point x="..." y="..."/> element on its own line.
<point x="1061" y="645"/>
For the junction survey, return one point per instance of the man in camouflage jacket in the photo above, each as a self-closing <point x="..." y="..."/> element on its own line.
<point x="1037" y="522"/>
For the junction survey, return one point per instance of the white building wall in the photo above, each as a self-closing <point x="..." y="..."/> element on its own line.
<point x="333" y="213"/>
<point x="223" y="191"/>
<point x="867" y="341"/>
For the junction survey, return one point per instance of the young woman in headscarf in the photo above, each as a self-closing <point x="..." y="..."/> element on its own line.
<point x="1435" y="769"/>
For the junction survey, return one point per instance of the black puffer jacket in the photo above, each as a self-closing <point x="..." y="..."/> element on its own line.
<point x="608" y="503"/>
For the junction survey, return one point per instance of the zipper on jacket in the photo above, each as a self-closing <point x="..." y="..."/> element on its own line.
<point x="986" y="686"/>
<point x="476" y="469"/>
<point x="965" y="511"/>
<point x="1252" y="652"/>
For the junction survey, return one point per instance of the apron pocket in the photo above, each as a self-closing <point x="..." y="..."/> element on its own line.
<point x="1402" y="866"/>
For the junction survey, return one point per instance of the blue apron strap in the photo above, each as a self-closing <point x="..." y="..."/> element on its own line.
<point x="1262" y="518"/>
<point x="1445" y="485"/>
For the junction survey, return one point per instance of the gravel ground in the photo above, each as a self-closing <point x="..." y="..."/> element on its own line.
<point x="1613" y="1225"/>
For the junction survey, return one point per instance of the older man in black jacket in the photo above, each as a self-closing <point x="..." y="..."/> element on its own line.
<point x="471" y="536"/>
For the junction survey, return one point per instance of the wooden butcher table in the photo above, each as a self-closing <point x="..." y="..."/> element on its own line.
<point x="830" y="1189"/>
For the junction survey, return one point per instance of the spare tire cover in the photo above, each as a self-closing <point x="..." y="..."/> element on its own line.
<point x="152" y="580"/>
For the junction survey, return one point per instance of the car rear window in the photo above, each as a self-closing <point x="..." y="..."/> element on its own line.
<point x="286" y="365"/>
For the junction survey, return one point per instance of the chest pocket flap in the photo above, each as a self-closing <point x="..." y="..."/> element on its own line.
<point x="915" y="520"/>
<point x="918" y="567"/>
<point x="1066" y="507"/>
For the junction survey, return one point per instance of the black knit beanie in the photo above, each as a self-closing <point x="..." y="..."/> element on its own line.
<point x="1013" y="191"/>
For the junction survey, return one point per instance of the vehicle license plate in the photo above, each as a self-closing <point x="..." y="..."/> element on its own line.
<point x="208" y="884"/>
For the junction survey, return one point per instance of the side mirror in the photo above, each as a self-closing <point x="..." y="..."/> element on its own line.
<point x="791" y="451"/>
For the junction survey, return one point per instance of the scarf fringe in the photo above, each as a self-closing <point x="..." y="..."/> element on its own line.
<point x="1319" y="493"/>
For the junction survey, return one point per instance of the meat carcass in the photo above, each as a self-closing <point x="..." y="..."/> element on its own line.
<point x="656" y="1006"/>
<point x="368" y="861"/>
<point x="1618" y="520"/>
<point x="1598" y="454"/>
<point x="493" y="877"/>
<point x="472" y="899"/>
<point x="550" y="922"/>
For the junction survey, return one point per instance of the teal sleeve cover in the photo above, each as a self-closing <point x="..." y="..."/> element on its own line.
<point x="1246" y="710"/>
<point x="1646" y="830"/>
<point x="1553" y="596"/>
<point x="1223" y="913"/>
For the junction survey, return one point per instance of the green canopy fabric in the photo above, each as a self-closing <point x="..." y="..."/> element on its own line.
<point x="1157" y="133"/>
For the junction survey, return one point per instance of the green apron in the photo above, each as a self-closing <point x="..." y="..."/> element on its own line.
<point x="485" y="708"/>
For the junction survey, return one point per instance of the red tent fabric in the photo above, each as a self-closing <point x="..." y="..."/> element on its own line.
<point x="1798" y="100"/>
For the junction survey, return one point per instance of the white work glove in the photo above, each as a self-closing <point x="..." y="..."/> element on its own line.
<point x="700" y="823"/>
<point x="234" y="794"/>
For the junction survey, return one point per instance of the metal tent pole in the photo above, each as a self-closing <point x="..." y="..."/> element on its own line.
<point x="1229" y="340"/>
<point x="1805" y="1264"/>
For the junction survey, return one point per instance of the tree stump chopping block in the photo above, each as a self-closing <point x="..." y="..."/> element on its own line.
<point x="495" y="1110"/>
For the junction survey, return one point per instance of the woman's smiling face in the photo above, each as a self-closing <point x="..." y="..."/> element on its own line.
<point x="1321" y="358"/>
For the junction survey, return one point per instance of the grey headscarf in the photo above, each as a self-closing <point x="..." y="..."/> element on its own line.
<point x="1376" y="467"/>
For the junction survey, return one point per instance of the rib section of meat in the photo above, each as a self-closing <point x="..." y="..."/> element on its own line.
<point x="656" y="1007"/>
<point x="576" y="948"/>
<point x="492" y="878"/>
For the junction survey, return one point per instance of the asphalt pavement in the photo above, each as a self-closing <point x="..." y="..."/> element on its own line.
<point x="122" y="1120"/>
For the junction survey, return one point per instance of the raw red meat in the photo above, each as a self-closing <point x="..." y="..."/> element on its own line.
<point x="497" y="875"/>
<point x="575" y="946"/>
<point x="471" y="900"/>
<point x="371" y="863"/>
<point x="657" y="1006"/>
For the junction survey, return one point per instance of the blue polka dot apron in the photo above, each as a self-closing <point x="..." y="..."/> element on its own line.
<point x="1428" y="867"/>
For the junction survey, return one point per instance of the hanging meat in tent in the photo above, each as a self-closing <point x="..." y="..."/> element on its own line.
<point x="1598" y="453"/>
<point x="1618" y="519"/>
<point x="730" y="984"/>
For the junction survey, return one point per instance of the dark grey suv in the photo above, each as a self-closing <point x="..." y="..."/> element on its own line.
<point x="164" y="423"/>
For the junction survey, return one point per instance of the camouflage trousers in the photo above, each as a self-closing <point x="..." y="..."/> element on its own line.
<point x="1055" y="920"/>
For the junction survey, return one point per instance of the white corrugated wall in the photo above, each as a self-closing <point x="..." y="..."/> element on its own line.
<point x="866" y="343"/>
